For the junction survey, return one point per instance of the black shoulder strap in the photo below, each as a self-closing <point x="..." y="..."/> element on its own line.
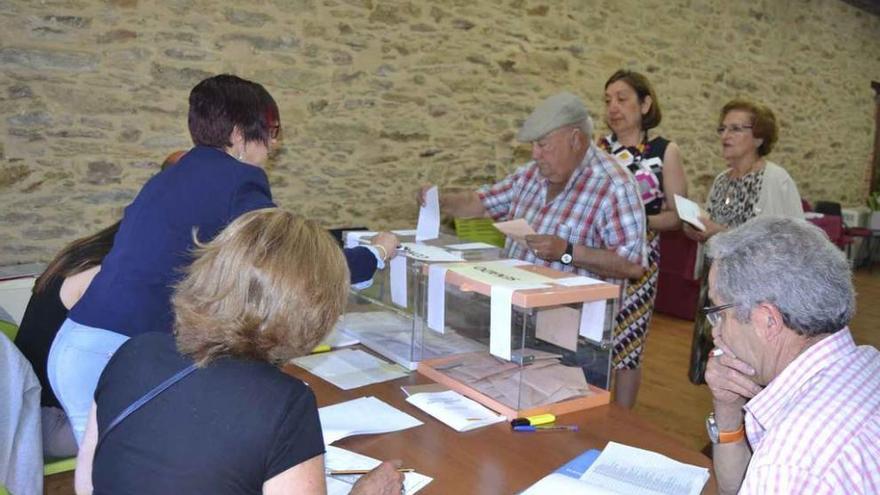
<point x="180" y="375"/>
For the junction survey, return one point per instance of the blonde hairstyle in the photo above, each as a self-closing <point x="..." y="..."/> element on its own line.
<point x="269" y="287"/>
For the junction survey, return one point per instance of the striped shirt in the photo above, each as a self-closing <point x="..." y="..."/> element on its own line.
<point x="600" y="207"/>
<point x="816" y="427"/>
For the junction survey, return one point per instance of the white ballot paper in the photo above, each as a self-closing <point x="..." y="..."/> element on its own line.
<point x="689" y="211"/>
<point x="437" y="298"/>
<point x="577" y="281"/>
<point x="349" y="368"/>
<point x="398" y="280"/>
<point x="363" y="416"/>
<point x="429" y="216"/>
<point x="624" y="469"/>
<point x="336" y="459"/>
<point x="455" y="410"/>
<point x="516" y="229"/>
<point x="592" y="320"/>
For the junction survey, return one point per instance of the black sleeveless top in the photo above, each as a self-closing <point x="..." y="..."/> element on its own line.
<point x="645" y="162"/>
<point x="43" y="317"/>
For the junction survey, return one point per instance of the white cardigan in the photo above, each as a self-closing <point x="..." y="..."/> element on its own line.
<point x="779" y="194"/>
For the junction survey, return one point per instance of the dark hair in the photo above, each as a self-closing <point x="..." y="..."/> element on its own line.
<point x="78" y="256"/>
<point x="219" y="104"/>
<point x="640" y="84"/>
<point x="763" y="122"/>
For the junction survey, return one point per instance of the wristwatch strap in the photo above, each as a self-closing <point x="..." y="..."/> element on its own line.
<point x="732" y="436"/>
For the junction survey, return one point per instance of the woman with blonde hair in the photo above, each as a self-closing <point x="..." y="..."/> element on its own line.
<point x="267" y="289"/>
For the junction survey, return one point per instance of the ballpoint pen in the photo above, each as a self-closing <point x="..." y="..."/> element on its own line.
<point x="343" y="472"/>
<point x="525" y="428"/>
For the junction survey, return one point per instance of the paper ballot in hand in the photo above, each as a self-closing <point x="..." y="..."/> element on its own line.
<point x="516" y="229"/>
<point x="689" y="211"/>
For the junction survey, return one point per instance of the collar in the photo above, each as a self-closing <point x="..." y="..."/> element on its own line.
<point x="769" y="405"/>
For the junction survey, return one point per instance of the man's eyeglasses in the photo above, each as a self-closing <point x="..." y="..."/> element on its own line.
<point x="713" y="313"/>
<point x="734" y="128"/>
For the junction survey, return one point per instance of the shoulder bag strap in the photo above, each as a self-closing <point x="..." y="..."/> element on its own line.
<point x="180" y="375"/>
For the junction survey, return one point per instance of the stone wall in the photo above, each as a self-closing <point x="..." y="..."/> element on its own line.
<point x="378" y="96"/>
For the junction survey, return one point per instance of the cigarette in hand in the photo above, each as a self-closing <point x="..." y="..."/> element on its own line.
<point x="716" y="352"/>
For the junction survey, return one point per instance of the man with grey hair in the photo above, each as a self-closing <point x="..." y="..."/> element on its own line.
<point x="796" y="402"/>
<point x="584" y="207"/>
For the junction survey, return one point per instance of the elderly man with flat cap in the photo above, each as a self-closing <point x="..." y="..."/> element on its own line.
<point x="584" y="207"/>
<point x="796" y="401"/>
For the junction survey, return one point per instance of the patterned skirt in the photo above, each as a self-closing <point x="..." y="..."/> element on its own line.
<point x="631" y="323"/>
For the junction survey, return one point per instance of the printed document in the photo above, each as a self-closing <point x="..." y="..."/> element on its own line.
<point x="349" y="368"/>
<point x="336" y="459"/>
<point x="455" y="410"/>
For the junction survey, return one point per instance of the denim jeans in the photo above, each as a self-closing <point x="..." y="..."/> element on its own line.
<point x="78" y="355"/>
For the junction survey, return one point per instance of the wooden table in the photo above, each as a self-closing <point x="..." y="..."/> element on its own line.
<point x="493" y="460"/>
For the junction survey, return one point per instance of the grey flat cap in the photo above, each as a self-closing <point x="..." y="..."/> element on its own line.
<point x="557" y="111"/>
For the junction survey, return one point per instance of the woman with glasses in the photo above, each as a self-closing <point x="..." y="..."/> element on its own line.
<point x="233" y="124"/>
<point x="631" y="111"/>
<point x="751" y="186"/>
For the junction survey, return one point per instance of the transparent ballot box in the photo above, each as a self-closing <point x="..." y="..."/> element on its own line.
<point x="544" y="336"/>
<point x="388" y="316"/>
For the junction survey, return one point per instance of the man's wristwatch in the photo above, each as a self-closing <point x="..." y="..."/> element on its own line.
<point x="718" y="436"/>
<point x="567" y="258"/>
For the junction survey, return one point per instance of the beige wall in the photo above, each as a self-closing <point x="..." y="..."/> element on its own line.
<point x="377" y="96"/>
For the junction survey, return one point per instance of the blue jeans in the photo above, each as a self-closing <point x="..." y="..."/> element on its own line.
<point x="78" y="355"/>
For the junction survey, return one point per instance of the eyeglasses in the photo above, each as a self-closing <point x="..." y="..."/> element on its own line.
<point x="733" y="128"/>
<point x="713" y="313"/>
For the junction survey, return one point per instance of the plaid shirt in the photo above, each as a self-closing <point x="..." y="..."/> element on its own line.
<point x="599" y="208"/>
<point x="816" y="427"/>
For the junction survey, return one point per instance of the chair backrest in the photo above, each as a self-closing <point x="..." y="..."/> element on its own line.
<point x="827" y="208"/>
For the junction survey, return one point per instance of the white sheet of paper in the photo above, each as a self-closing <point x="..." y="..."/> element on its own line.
<point x="455" y="410"/>
<point x="338" y="338"/>
<point x="516" y="229"/>
<point x="353" y="237"/>
<point x="689" y="211"/>
<point x="362" y="416"/>
<point x="424" y="252"/>
<point x="404" y="232"/>
<point x="624" y="469"/>
<point x="593" y="320"/>
<point x="341" y="459"/>
<point x="557" y="483"/>
<point x="470" y="246"/>
<point x="429" y="216"/>
<point x="349" y="368"/>
<point x="398" y="280"/>
<point x="499" y="321"/>
<point x="512" y="262"/>
<point x="577" y="281"/>
<point x="437" y="298"/>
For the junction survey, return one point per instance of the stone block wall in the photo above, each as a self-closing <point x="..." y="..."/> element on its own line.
<point x="378" y="96"/>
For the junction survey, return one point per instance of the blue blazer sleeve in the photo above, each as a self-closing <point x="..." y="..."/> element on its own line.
<point x="361" y="263"/>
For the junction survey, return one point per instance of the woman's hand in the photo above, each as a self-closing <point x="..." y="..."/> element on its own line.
<point x="383" y="480"/>
<point x="694" y="234"/>
<point x="387" y="243"/>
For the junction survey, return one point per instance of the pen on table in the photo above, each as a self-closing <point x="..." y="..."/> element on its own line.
<point x="716" y="352"/>
<point x="321" y="348"/>
<point x="343" y="472"/>
<point x="546" y="428"/>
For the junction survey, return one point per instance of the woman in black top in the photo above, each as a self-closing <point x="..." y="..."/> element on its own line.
<point x="267" y="289"/>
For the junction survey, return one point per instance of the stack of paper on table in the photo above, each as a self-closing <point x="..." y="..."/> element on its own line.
<point x="341" y="459"/>
<point x="366" y="415"/>
<point x="622" y="469"/>
<point x="455" y="410"/>
<point x="349" y="368"/>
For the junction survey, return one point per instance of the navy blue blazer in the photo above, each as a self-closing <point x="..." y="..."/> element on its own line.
<point x="205" y="190"/>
